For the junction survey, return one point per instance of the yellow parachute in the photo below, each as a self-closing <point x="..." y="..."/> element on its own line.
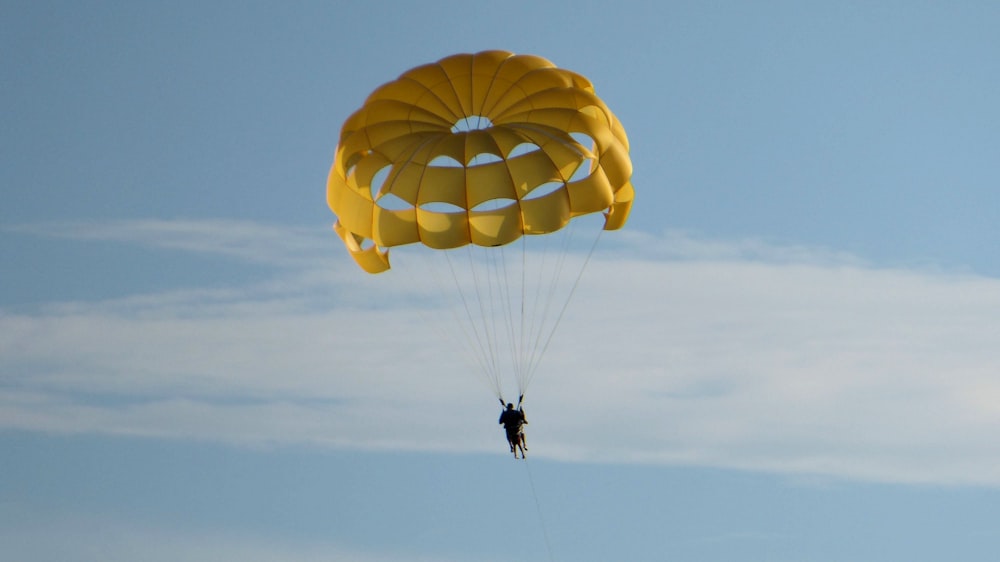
<point x="479" y="150"/>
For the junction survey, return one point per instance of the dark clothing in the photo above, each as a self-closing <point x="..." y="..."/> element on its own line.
<point x="512" y="421"/>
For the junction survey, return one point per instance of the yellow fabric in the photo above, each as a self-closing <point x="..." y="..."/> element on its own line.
<point x="465" y="142"/>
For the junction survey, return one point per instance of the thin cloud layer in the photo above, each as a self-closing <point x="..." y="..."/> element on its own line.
<point x="234" y="239"/>
<point x="738" y="355"/>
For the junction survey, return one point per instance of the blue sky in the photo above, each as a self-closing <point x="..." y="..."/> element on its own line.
<point x="790" y="353"/>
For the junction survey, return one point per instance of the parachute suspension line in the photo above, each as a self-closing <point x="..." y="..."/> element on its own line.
<point x="523" y="344"/>
<point x="538" y="508"/>
<point x="539" y="305"/>
<point x="489" y="295"/>
<point x="433" y="280"/>
<point x="551" y="259"/>
<point x="492" y="294"/>
<point x="507" y="304"/>
<point x="534" y="305"/>
<point x="562" y="312"/>
<point x="474" y="339"/>
<point x="493" y="298"/>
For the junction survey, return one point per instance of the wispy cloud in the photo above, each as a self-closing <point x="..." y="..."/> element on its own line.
<point x="675" y="351"/>
<point x="234" y="239"/>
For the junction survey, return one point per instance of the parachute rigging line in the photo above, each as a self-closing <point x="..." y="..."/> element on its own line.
<point x="508" y="325"/>
<point x="478" y="348"/>
<point x="576" y="283"/>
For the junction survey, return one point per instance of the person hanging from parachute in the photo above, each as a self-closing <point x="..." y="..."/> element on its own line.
<point x="513" y="422"/>
<point x="478" y="151"/>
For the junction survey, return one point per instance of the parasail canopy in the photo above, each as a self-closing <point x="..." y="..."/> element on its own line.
<point x="476" y="149"/>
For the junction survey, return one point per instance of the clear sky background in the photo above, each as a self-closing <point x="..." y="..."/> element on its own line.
<point x="791" y="352"/>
